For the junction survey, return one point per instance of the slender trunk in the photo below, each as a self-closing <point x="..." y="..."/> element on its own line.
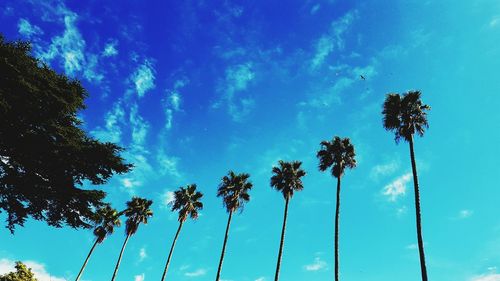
<point x="86" y="260"/>
<point x="120" y="257"/>
<point x="282" y="242"/>
<point x="171" y="251"/>
<point x="224" y="246"/>
<point x="417" y="211"/>
<point x="337" y="215"/>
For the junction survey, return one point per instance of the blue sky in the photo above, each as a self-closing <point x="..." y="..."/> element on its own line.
<point x="194" y="88"/>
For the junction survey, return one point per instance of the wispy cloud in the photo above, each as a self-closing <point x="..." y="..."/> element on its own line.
<point x="110" y="49"/>
<point x="113" y="122"/>
<point x="315" y="9"/>
<point x="142" y="254"/>
<point x="261" y="279"/>
<point x="27" y="29"/>
<point x="174" y="101"/>
<point x="166" y="198"/>
<point x="333" y="40"/>
<point x="140" y="277"/>
<point x="37" y="268"/>
<point x="385" y="169"/>
<point x="463" y="214"/>
<point x="196" y="273"/>
<point x="397" y="188"/>
<point x="143" y="78"/>
<point x="486" y="277"/>
<point x="318" y="264"/>
<point x="237" y="79"/>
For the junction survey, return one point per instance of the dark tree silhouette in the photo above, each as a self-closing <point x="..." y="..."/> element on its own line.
<point x="107" y="219"/>
<point x="187" y="203"/>
<point x="138" y="211"/>
<point x="406" y="115"/>
<point x="286" y="179"/>
<point x="234" y="192"/>
<point x="336" y="155"/>
<point x="44" y="154"/>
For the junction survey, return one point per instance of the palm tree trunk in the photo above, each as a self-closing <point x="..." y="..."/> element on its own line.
<point x="224" y="246"/>
<point x="120" y="258"/>
<point x="417" y="211"/>
<point x="282" y="242"/>
<point x="337" y="215"/>
<point x="171" y="251"/>
<point x="86" y="261"/>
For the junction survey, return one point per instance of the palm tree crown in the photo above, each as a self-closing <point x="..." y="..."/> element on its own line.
<point x="107" y="219"/>
<point x="138" y="211"/>
<point x="405" y="115"/>
<point x="234" y="190"/>
<point x="187" y="202"/>
<point x="337" y="154"/>
<point x="287" y="178"/>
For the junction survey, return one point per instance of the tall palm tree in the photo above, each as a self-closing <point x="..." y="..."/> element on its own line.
<point x="406" y="115"/>
<point x="107" y="219"/>
<point x="336" y="155"/>
<point x="187" y="203"/>
<point x="138" y="211"/>
<point x="287" y="179"/>
<point x="234" y="192"/>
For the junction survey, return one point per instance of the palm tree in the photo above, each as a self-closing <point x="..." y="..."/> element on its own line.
<point x="138" y="211"/>
<point x="336" y="155"/>
<point x="406" y="115"/>
<point x="107" y="219"/>
<point x="187" y="202"/>
<point x="286" y="179"/>
<point x="234" y="192"/>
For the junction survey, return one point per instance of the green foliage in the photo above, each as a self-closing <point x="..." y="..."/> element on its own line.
<point x="337" y="154"/>
<point x="138" y="211"/>
<point x="22" y="273"/>
<point x="287" y="178"/>
<point x="405" y="115"/>
<point x="44" y="154"/>
<point x="234" y="191"/>
<point x="187" y="202"/>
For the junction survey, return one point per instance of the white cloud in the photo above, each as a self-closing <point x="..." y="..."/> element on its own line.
<point x="110" y="49"/>
<point x="112" y="128"/>
<point x="315" y="9"/>
<point x="167" y="198"/>
<point x="140" y="128"/>
<point x="463" y="214"/>
<point x="38" y="269"/>
<point x="237" y="79"/>
<point x="486" y="277"/>
<point x="142" y="254"/>
<point x="27" y="29"/>
<point x="139" y="277"/>
<point x="144" y="78"/>
<point x="495" y="21"/>
<point x="385" y="169"/>
<point x="333" y="40"/>
<point x="130" y="183"/>
<point x="318" y="264"/>
<point x="397" y="188"/>
<point x="411" y="247"/>
<point x="260" y="279"/>
<point x="196" y="273"/>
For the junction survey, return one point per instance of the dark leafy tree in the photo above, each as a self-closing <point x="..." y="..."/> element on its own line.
<point x="138" y="212"/>
<point x="45" y="156"/>
<point x="406" y="115"/>
<point x="234" y="190"/>
<point x="107" y="219"/>
<point x="287" y="179"/>
<point x="336" y="155"/>
<point x="187" y="203"/>
<point x="22" y="273"/>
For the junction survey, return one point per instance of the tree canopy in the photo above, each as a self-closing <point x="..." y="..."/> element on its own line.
<point x="45" y="155"/>
<point x="22" y="273"/>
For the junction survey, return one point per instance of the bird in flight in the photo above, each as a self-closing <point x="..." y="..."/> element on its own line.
<point x="362" y="77"/>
